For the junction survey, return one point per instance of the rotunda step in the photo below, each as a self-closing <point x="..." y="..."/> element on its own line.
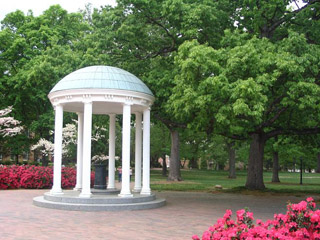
<point x="42" y="202"/>
<point x="73" y="197"/>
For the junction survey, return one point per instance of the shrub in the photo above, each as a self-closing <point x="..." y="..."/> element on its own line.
<point x="8" y="178"/>
<point x="35" y="177"/>
<point x="302" y="221"/>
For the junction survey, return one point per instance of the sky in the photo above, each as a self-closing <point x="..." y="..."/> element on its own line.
<point x="38" y="6"/>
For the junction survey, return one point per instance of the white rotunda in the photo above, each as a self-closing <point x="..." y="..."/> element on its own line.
<point x="109" y="91"/>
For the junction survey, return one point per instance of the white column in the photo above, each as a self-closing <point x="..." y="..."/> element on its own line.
<point x="138" y="148"/>
<point x="146" y="153"/>
<point x="112" y="140"/>
<point x="79" y="152"/>
<point x="56" y="188"/>
<point x="86" y="154"/>
<point x="125" y="187"/>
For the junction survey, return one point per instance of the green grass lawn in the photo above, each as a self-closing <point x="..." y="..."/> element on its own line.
<point x="205" y="181"/>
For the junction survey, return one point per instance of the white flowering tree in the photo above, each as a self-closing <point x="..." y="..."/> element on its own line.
<point x="99" y="144"/>
<point x="69" y="140"/>
<point x="44" y="146"/>
<point x="100" y="158"/>
<point x="8" y="125"/>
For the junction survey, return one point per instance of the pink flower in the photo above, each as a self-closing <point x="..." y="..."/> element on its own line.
<point x="195" y="237"/>
<point x="310" y="199"/>
<point x="292" y="224"/>
<point x="211" y="229"/>
<point x="250" y="215"/>
<point x="206" y="235"/>
<point x="315" y="218"/>
<point x="316" y="235"/>
<point x="240" y="214"/>
<point x="217" y="235"/>
<point x="302" y="206"/>
<point x="227" y="214"/>
<point x="259" y="222"/>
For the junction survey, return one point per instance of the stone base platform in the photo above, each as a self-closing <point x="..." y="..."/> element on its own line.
<point x="101" y="200"/>
<point x="104" y="191"/>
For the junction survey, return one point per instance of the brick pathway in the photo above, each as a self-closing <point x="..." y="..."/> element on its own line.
<point x="184" y="215"/>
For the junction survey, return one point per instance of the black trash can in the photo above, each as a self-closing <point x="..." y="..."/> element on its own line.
<point x="100" y="176"/>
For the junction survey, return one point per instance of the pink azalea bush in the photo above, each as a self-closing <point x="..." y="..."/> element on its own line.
<point x="302" y="221"/>
<point x="35" y="177"/>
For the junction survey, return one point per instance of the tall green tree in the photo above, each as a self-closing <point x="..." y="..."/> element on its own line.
<point x="251" y="88"/>
<point x="143" y="37"/>
<point x="35" y="53"/>
<point x="262" y="82"/>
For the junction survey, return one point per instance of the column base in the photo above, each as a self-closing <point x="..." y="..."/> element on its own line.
<point x="145" y="192"/>
<point x="125" y="195"/>
<point x="136" y="189"/>
<point x="85" y="195"/>
<point x="56" y="192"/>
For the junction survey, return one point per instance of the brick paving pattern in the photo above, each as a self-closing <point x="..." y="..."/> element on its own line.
<point x="184" y="215"/>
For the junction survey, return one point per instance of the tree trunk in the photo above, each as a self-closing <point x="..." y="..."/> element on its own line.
<point x="45" y="161"/>
<point x="318" y="167"/>
<point x="164" y="165"/>
<point x="154" y="162"/>
<point x="255" y="163"/>
<point x="232" y="160"/>
<point x="174" y="172"/>
<point x="193" y="163"/>
<point x="275" y="169"/>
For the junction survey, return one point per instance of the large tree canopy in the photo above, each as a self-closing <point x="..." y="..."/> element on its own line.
<point x="250" y="88"/>
<point x="143" y="37"/>
<point x="35" y="53"/>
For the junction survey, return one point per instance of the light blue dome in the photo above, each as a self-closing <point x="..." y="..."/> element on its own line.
<point x="101" y="77"/>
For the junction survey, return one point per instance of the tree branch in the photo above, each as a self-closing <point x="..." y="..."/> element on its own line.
<point x="235" y="137"/>
<point x="173" y="40"/>
<point x="275" y="117"/>
<point x="290" y="15"/>
<point x="168" y="123"/>
<point x="292" y="131"/>
<point x="276" y="101"/>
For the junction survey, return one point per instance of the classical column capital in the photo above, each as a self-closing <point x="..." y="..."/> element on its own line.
<point x="87" y="101"/>
<point x="127" y="103"/>
<point x="57" y="104"/>
<point x="148" y="108"/>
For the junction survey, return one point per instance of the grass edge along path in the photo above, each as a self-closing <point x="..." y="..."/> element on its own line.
<point x="206" y="180"/>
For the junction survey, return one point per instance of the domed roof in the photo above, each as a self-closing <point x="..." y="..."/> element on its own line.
<point x="101" y="77"/>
